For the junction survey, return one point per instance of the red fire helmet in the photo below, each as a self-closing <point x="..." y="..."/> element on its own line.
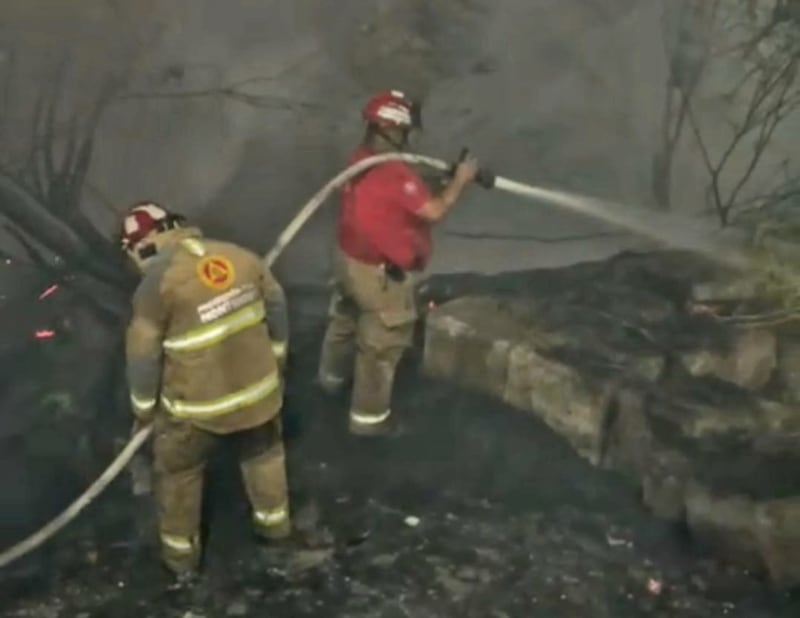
<point x="392" y="108"/>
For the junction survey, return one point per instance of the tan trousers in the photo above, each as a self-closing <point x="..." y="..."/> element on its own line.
<point x="371" y="324"/>
<point x="181" y="451"/>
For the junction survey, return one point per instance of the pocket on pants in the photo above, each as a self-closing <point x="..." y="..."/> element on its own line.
<point x="398" y="307"/>
<point x="374" y="332"/>
<point x="179" y="446"/>
<point x="397" y="318"/>
<point x="394" y="301"/>
<point x="341" y="306"/>
<point x="252" y="443"/>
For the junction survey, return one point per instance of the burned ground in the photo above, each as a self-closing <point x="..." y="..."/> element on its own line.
<point x="511" y="523"/>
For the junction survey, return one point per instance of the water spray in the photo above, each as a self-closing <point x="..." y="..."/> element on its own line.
<point x="659" y="227"/>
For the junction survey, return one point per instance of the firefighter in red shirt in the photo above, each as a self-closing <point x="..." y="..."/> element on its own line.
<point x="383" y="240"/>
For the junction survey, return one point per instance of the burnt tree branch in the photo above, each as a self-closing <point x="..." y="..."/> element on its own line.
<point x="43" y="199"/>
<point x="236" y="92"/>
<point x="773" y="97"/>
<point x="240" y="91"/>
<point x="34" y="219"/>
<point x="37" y="258"/>
<point x="687" y="50"/>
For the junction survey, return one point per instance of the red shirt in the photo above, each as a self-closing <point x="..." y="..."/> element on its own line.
<point x="378" y="221"/>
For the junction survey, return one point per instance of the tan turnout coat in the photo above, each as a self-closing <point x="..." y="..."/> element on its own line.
<point x="208" y="335"/>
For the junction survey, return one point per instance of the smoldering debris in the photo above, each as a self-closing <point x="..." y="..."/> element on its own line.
<point x="511" y="522"/>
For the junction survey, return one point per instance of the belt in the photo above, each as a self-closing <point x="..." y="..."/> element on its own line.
<point x="392" y="270"/>
<point x="369" y="261"/>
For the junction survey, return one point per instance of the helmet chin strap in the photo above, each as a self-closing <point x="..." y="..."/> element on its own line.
<point x="397" y="145"/>
<point x="142" y="255"/>
<point x="171" y="222"/>
<point x="146" y="252"/>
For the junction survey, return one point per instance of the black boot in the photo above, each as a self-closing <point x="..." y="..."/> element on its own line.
<point x="181" y="580"/>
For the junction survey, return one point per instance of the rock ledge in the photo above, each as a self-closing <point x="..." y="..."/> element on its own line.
<point x="703" y="414"/>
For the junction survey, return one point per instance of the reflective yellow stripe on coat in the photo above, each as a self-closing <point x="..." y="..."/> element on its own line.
<point x="219" y="330"/>
<point x="224" y="405"/>
<point x="279" y="350"/>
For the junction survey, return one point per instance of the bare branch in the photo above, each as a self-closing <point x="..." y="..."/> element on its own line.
<point x="787" y="190"/>
<point x="235" y="91"/>
<point x="686" y="45"/>
<point x="772" y="97"/>
<point x="30" y="169"/>
<point x="6" y="92"/>
<point x="103" y="199"/>
<point x="36" y="256"/>
<point x="766" y="131"/>
<point x="48" y="138"/>
<point x="700" y="141"/>
<point x="239" y="90"/>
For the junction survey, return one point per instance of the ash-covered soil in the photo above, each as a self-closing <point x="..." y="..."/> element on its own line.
<point x="478" y="511"/>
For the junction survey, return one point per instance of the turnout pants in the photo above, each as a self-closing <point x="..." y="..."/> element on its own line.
<point x="371" y="324"/>
<point x="181" y="451"/>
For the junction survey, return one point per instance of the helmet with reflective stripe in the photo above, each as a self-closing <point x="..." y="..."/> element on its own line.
<point x="143" y="219"/>
<point x="392" y="109"/>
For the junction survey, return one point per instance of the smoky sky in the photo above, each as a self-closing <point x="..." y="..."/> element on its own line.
<point x="237" y="111"/>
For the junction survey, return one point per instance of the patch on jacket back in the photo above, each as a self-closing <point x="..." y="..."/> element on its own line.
<point x="216" y="272"/>
<point x="410" y="187"/>
<point x="228" y="302"/>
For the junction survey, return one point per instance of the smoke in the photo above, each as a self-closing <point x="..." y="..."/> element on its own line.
<point x="201" y="95"/>
<point x="565" y="94"/>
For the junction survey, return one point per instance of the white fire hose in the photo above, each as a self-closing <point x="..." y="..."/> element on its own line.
<point x="591" y="207"/>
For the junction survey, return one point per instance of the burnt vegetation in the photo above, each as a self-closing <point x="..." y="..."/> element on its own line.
<point x="66" y="291"/>
<point x="41" y="193"/>
<point x="758" y="43"/>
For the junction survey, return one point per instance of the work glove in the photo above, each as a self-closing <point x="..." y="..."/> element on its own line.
<point x="141" y="470"/>
<point x="485" y="177"/>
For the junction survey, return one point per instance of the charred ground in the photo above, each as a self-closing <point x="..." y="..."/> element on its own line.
<point x="511" y="523"/>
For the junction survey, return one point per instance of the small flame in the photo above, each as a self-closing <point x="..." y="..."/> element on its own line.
<point x="44" y="333"/>
<point x="51" y="290"/>
<point x="654" y="586"/>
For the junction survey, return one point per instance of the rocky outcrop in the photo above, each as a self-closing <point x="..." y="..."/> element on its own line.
<point x="702" y="411"/>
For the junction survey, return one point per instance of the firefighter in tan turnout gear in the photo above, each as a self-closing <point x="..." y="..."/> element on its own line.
<point x="206" y="347"/>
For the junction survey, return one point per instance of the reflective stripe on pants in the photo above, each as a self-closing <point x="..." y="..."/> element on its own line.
<point x="142" y="406"/>
<point x="179" y="544"/>
<point x="361" y="418"/>
<point x="271" y="517"/>
<point x="263" y="462"/>
<point x="180" y="553"/>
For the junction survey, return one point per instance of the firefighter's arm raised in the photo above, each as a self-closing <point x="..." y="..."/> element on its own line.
<point x="439" y="206"/>
<point x="277" y="313"/>
<point x="143" y="348"/>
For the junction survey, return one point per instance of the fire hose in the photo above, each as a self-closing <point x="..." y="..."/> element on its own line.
<point x="583" y="205"/>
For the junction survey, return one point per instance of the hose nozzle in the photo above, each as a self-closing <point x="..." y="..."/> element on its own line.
<point x="485" y="177"/>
